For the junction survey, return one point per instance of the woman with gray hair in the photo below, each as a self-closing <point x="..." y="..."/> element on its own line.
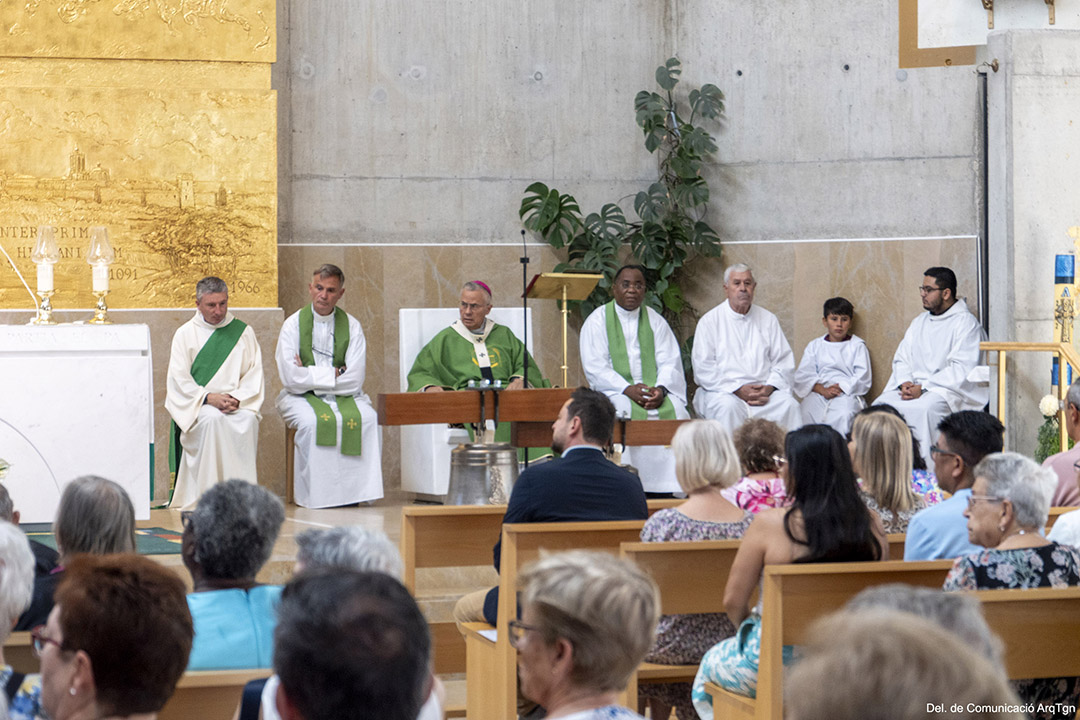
<point x="23" y="692"/>
<point x="587" y="621"/>
<point x="1008" y="506"/>
<point x="227" y="539"/>
<point x="95" y="517"/>
<point x="349" y="546"/>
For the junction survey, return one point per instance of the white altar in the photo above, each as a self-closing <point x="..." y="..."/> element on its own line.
<point x="75" y="400"/>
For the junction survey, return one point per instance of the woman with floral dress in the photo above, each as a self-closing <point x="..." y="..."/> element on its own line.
<point x="1009" y="504"/>
<point x="705" y="464"/>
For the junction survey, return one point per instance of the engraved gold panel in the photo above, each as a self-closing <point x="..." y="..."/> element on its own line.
<point x="185" y="181"/>
<point x="239" y="30"/>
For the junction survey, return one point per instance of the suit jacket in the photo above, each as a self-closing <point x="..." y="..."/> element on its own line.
<point x="583" y="485"/>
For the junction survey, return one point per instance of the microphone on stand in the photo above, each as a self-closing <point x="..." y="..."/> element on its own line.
<point x="525" y="315"/>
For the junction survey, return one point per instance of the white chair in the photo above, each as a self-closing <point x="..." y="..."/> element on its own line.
<point x="425" y="449"/>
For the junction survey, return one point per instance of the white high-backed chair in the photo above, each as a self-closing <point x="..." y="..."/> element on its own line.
<point x="425" y="449"/>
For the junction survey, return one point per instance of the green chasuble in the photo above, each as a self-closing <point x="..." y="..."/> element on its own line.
<point x="620" y="360"/>
<point x="450" y="362"/>
<point x="325" y="420"/>
<point x="206" y="364"/>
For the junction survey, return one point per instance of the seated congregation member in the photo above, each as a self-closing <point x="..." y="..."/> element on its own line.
<point x="350" y="646"/>
<point x="827" y="522"/>
<point x="639" y="367"/>
<point x="45" y="558"/>
<point x="1008" y="506"/>
<point x="705" y="463"/>
<point x="892" y="665"/>
<point x="1064" y="464"/>
<point x="582" y="485"/>
<point x="743" y="364"/>
<point x="760" y="443"/>
<point x="227" y="539"/>
<point x="214" y="393"/>
<point x="22" y="692"/>
<point x="931" y="366"/>
<point x="587" y="620"/>
<point x="964" y="439"/>
<point x="923" y="482"/>
<point x="356" y="548"/>
<point x="95" y="516"/>
<point x="322" y="360"/>
<point x="117" y="641"/>
<point x="834" y="372"/>
<point x="881" y="457"/>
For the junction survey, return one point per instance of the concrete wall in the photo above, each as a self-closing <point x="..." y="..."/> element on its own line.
<point x="422" y="123"/>
<point x="1033" y="106"/>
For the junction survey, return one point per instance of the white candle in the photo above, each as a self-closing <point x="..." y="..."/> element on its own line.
<point x="45" y="277"/>
<point x="101" y="278"/>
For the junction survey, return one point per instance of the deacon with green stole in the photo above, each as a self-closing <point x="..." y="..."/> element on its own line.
<point x="214" y="392"/>
<point x="322" y="357"/>
<point x="639" y="367"/>
<point x="474" y="348"/>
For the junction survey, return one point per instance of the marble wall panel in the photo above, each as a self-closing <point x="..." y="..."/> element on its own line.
<point x="163" y="323"/>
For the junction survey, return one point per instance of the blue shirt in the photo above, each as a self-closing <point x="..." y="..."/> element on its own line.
<point x="940" y="531"/>
<point x="233" y="628"/>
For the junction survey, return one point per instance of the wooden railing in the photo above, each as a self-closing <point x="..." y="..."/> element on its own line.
<point x="1065" y="353"/>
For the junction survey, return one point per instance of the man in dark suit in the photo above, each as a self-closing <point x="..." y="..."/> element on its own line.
<point x="582" y="485"/>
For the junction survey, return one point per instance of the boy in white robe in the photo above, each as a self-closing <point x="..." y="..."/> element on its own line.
<point x="834" y="373"/>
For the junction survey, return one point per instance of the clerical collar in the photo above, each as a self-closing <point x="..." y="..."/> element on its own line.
<point x="738" y="315"/>
<point x="627" y="313"/>
<point x="322" y="318"/>
<point x="201" y="321"/>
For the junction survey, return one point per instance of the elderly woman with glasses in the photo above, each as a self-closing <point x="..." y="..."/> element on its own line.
<point x="116" y="642"/>
<point x="227" y="539"/>
<point x="587" y="621"/>
<point x="1008" y="506"/>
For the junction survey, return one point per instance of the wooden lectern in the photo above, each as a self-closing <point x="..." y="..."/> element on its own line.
<point x="563" y="286"/>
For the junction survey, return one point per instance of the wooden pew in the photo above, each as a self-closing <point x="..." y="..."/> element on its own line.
<point x="691" y="577"/>
<point x="1038" y="627"/>
<point x="794" y="597"/>
<point x="209" y="694"/>
<point x="19" y="653"/>
<point x="491" y="677"/>
<point x="1055" y="513"/>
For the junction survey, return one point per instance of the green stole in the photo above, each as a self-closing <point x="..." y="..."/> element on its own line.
<point x="325" y="421"/>
<point x="621" y="361"/>
<point x="206" y="364"/>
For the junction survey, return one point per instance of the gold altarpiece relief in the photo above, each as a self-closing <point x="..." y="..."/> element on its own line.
<point x="154" y="118"/>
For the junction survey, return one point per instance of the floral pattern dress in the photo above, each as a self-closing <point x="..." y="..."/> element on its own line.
<point x="1052" y="565"/>
<point x="684" y="639"/>
<point x="924" y="484"/>
<point x="757" y="495"/>
<point x="893" y="522"/>
<point x="26" y="705"/>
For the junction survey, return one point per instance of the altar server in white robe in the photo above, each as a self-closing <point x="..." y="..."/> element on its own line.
<point x="743" y="364"/>
<point x="931" y="367"/>
<point x="322" y="357"/>
<point x="214" y="393"/>
<point x="639" y="368"/>
<point x="834" y="372"/>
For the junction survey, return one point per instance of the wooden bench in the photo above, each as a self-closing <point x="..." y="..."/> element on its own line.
<point x="691" y="577"/>
<point x="19" y="653"/>
<point x="1038" y="627"/>
<point x="796" y="595"/>
<point x="491" y="677"/>
<point x="209" y="694"/>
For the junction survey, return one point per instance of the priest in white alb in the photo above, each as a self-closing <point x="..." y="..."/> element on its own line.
<point x="743" y="364"/>
<point x="214" y="392"/>
<point x="639" y="367"/>
<point x="321" y="357"/>
<point x="932" y="363"/>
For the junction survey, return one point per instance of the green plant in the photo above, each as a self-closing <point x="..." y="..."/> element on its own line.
<point x="670" y="227"/>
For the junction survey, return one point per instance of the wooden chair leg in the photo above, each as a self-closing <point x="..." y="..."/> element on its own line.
<point x="290" y="451"/>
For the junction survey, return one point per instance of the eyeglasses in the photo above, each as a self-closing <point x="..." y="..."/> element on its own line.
<point x="38" y="640"/>
<point x="474" y="307"/>
<point x="1076" y="466"/>
<point x="518" y="630"/>
<point x="926" y="289"/>
<point x="779" y="460"/>
<point x="935" y="450"/>
<point x="972" y="499"/>
<point x="627" y="285"/>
